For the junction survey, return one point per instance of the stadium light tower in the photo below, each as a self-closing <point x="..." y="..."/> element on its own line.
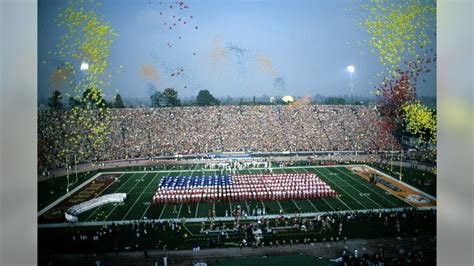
<point x="351" y="70"/>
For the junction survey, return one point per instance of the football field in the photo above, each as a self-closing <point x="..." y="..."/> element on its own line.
<point x="354" y="193"/>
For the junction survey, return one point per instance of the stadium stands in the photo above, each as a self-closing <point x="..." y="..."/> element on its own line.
<point x="135" y="133"/>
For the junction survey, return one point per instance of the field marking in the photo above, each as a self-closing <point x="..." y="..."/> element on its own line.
<point x="139" y="196"/>
<point x="357" y="189"/>
<point x="116" y="205"/>
<point x="312" y="205"/>
<point x="105" y="171"/>
<point x="248" y="208"/>
<point x="349" y="194"/>
<point x="181" y="205"/>
<point x="365" y="185"/>
<point x="330" y="206"/>
<point x="298" y="207"/>
<point x="325" y="201"/>
<point x="88" y="217"/>
<point x="100" y="193"/>
<point x="179" y="212"/>
<point x="180" y="172"/>
<point x="400" y="182"/>
<point x="284" y="169"/>
<point x="363" y="206"/>
<point x="66" y="195"/>
<point x="185" y="227"/>
<point x="281" y="208"/>
<point x="143" y="215"/>
<point x="307" y="198"/>
<point x="326" y="168"/>
<point x="231" y="219"/>
<point x="263" y="205"/>
<point x="197" y="208"/>
<point x="162" y="210"/>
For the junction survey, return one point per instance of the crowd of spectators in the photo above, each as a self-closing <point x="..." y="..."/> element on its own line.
<point x="138" y="133"/>
<point x="327" y="228"/>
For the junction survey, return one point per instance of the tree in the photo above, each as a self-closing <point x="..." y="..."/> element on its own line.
<point x="171" y="97"/>
<point x="93" y="98"/>
<point x="55" y="102"/>
<point x="73" y="102"/>
<point x="118" y="103"/>
<point x="156" y="99"/>
<point x="150" y="89"/>
<point x="334" y="101"/>
<point x="205" y="98"/>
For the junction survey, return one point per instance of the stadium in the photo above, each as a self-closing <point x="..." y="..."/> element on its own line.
<point x="361" y="185"/>
<point x="209" y="180"/>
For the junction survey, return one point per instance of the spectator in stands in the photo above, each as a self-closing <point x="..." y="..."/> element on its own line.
<point x="139" y="133"/>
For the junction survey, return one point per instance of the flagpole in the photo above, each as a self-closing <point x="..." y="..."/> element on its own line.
<point x="401" y="160"/>
<point x="75" y="166"/>
<point x="391" y="160"/>
<point x="67" y="175"/>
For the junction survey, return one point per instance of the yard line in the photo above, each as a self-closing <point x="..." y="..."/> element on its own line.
<point x="150" y="202"/>
<point x="299" y="209"/>
<point x="312" y="202"/>
<point x="325" y="201"/>
<point x="185" y="227"/>
<point x="312" y="205"/>
<point x="139" y="196"/>
<point x="345" y="192"/>
<point x="263" y="205"/>
<point x="162" y="210"/>
<point x="366" y="185"/>
<point x="197" y="207"/>
<point x="248" y="208"/>
<point x="91" y="215"/>
<point x="116" y="205"/>
<point x="357" y="189"/>
<point x="281" y="208"/>
<point x="181" y="206"/>
<point x="107" y="187"/>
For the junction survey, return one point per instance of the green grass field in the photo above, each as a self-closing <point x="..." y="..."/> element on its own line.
<point x="355" y="194"/>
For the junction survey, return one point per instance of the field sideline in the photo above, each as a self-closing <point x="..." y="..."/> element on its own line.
<point x="355" y="193"/>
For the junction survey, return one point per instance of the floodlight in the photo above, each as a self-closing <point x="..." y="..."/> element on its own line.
<point x="84" y="66"/>
<point x="351" y="68"/>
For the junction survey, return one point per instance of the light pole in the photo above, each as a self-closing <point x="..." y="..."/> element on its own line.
<point x="351" y="70"/>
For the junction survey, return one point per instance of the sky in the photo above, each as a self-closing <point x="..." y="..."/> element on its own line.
<point x="239" y="48"/>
